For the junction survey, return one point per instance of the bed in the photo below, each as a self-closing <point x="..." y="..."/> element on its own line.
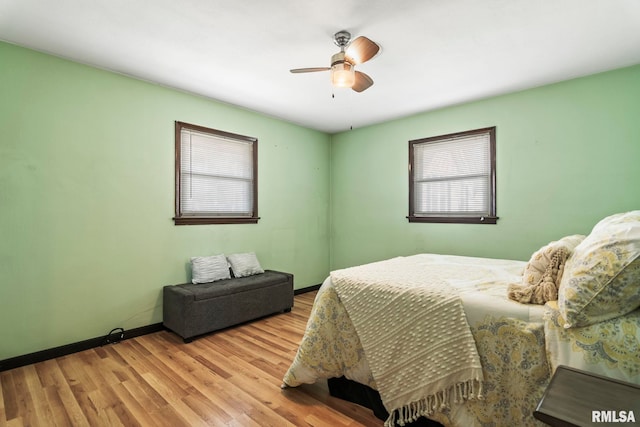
<point x="468" y="341"/>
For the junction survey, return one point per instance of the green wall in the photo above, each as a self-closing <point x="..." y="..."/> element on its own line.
<point x="87" y="191"/>
<point x="568" y="154"/>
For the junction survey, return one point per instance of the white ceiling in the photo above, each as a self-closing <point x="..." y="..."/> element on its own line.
<point x="434" y="53"/>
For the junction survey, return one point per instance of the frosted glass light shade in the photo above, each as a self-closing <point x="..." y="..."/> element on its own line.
<point x="343" y="75"/>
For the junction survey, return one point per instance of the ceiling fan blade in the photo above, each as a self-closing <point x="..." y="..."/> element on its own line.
<point x="309" y="70"/>
<point x="361" y="50"/>
<point x="363" y="82"/>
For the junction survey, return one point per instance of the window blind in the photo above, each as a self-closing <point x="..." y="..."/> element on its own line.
<point x="216" y="175"/>
<point x="453" y="176"/>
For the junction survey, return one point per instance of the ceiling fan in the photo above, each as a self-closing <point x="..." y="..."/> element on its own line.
<point x="343" y="73"/>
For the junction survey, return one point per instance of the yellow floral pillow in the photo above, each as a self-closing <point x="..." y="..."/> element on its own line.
<point x="601" y="278"/>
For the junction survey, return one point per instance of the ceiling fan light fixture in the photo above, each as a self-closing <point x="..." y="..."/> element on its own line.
<point x="343" y="63"/>
<point x="343" y="75"/>
<point x="342" y="72"/>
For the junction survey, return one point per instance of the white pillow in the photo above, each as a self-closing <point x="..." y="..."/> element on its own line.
<point x="205" y="269"/>
<point x="244" y="264"/>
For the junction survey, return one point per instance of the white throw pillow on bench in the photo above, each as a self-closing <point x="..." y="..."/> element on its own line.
<point x="245" y="264"/>
<point x="205" y="269"/>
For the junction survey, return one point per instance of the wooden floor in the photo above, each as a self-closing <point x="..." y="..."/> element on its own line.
<point x="228" y="378"/>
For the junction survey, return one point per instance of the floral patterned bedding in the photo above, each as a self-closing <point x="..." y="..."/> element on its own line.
<point x="610" y="348"/>
<point x="512" y="340"/>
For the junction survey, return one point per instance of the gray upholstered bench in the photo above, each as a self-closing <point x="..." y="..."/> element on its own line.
<point x="195" y="309"/>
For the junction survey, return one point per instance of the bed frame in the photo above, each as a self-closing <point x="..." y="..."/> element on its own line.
<point x="363" y="395"/>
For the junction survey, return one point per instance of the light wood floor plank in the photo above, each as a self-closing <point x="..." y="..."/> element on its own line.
<point x="26" y="405"/>
<point x="228" y="378"/>
<point x="142" y="393"/>
<point x="16" y="422"/>
<point x="42" y="409"/>
<point x="3" y="412"/>
<point x="210" y="413"/>
<point x="69" y="402"/>
<point x="9" y="396"/>
<point x="60" y="417"/>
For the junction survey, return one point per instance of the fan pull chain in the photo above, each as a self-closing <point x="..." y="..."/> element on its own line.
<point x="333" y="95"/>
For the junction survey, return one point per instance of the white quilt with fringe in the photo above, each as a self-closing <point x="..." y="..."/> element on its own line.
<point x="509" y="339"/>
<point x="414" y="333"/>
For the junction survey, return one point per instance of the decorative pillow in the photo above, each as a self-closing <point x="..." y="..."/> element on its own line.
<point x="543" y="272"/>
<point x="601" y="279"/>
<point x="205" y="269"/>
<point x="540" y="260"/>
<point x="245" y="264"/>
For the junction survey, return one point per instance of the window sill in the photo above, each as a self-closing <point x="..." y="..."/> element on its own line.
<point x="215" y="220"/>
<point x="455" y="220"/>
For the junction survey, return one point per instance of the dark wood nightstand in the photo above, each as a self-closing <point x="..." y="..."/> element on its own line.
<point x="578" y="398"/>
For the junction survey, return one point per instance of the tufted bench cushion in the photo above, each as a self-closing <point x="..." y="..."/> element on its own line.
<point x="194" y="309"/>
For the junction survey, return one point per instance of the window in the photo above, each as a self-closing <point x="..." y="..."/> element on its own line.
<point x="216" y="176"/>
<point x="452" y="178"/>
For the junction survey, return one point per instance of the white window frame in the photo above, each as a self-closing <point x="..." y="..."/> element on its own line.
<point x="225" y="208"/>
<point x="470" y="173"/>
